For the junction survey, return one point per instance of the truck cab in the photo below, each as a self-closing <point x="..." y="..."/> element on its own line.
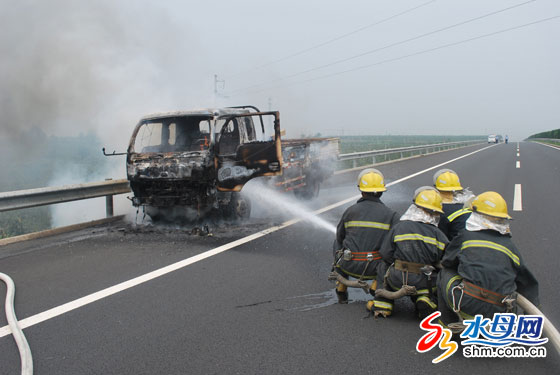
<point x="197" y="161"/>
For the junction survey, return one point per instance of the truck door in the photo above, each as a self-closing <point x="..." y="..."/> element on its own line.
<point x="244" y="151"/>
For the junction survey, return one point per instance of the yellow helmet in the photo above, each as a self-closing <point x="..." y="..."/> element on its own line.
<point x="429" y="198"/>
<point x="490" y="203"/>
<point x="371" y="181"/>
<point x="365" y="171"/>
<point x="447" y="180"/>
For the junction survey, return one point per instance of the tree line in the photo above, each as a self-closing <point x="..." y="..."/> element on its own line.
<point x="553" y="134"/>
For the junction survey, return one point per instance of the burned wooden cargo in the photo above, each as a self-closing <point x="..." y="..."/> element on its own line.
<point x="307" y="164"/>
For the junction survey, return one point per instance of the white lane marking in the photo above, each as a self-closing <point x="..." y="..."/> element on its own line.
<point x="86" y="300"/>
<point x="518" y="154"/>
<point x="517" y="203"/>
<point x="518" y="164"/>
<point x="547" y="145"/>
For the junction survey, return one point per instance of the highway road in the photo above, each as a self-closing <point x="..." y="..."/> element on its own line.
<point x="261" y="304"/>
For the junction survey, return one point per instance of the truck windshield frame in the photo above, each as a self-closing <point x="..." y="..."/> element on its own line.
<point x="173" y="134"/>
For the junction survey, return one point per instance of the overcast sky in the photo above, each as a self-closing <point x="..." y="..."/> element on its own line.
<point x="69" y="66"/>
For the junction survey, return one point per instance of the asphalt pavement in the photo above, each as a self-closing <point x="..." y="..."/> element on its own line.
<point x="265" y="305"/>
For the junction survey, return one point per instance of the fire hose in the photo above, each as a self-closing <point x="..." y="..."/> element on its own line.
<point x="351" y="284"/>
<point x="548" y="329"/>
<point x="17" y="333"/>
<point x="406" y="290"/>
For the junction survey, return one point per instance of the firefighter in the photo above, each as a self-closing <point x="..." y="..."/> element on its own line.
<point x="483" y="269"/>
<point x="361" y="231"/>
<point x="454" y="198"/>
<point x="411" y="252"/>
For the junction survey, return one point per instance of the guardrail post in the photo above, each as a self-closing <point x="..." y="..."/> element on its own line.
<point x="109" y="203"/>
<point x="354" y="165"/>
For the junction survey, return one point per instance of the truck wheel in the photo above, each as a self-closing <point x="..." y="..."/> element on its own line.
<point x="155" y="214"/>
<point x="239" y="207"/>
<point x="309" y="191"/>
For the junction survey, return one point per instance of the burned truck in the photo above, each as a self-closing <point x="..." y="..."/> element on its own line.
<point x="188" y="164"/>
<point x="307" y="163"/>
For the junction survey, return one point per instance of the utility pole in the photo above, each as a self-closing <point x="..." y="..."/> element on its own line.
<point x="270" y="110"/>
<point x="216" y="82"/>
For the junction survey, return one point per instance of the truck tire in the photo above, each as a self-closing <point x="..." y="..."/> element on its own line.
<point x="239" y="208"/>
<point x="309" y="191"/>
<point x="154" y="213"/>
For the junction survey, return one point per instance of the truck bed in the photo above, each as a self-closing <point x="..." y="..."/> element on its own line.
<point x="307" y="162"/>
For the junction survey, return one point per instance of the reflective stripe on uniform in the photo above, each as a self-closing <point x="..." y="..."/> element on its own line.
<point x="383" y="305"/>
<point x="367" y="224"/>
<point x="363" y="256"/>
<point x="427" y="301"/>
<point x="419" y="237"/>
<point x="355" y="275"/>
<point x="493" y="246"/>
<point x="449" y="283"/>
<point x="458" y="213"/>
<point x="363" y="259"/>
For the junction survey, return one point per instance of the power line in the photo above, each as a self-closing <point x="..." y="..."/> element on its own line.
<point x="301" y="52"/>
<point x="384" y="47"/>
<point x="412" y="54"/>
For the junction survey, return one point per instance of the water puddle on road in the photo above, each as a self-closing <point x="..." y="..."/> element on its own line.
<point x="319" y="300"/>
<point x="308" y="302"/>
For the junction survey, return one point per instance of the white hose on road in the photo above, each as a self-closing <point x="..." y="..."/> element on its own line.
<point x="19" y="337"/>
<point x="548" y="329"/>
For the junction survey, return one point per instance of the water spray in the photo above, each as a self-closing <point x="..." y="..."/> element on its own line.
<point x="285" y="203"/>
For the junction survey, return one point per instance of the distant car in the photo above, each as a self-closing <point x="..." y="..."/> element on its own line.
<point x="492" y="138"/>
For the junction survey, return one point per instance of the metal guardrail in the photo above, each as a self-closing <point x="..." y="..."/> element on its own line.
<point x="15" y="200"/>
<point x="354" y="156"/>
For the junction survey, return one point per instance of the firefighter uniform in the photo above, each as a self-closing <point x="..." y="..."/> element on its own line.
<point x="489" y="267"/>
<point x="483" y="268"/>
<point x="453" y="219"/>
<point x="360" y="233"/>
<point x="361" y="230"/>
<point x="409" y="246"/>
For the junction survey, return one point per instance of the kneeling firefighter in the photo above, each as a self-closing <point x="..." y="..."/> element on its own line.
<point x="483" y="268"/>
<point x="411" y="252"/>
<point x="360" y="232"/>
<point x="454" y="197"/>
